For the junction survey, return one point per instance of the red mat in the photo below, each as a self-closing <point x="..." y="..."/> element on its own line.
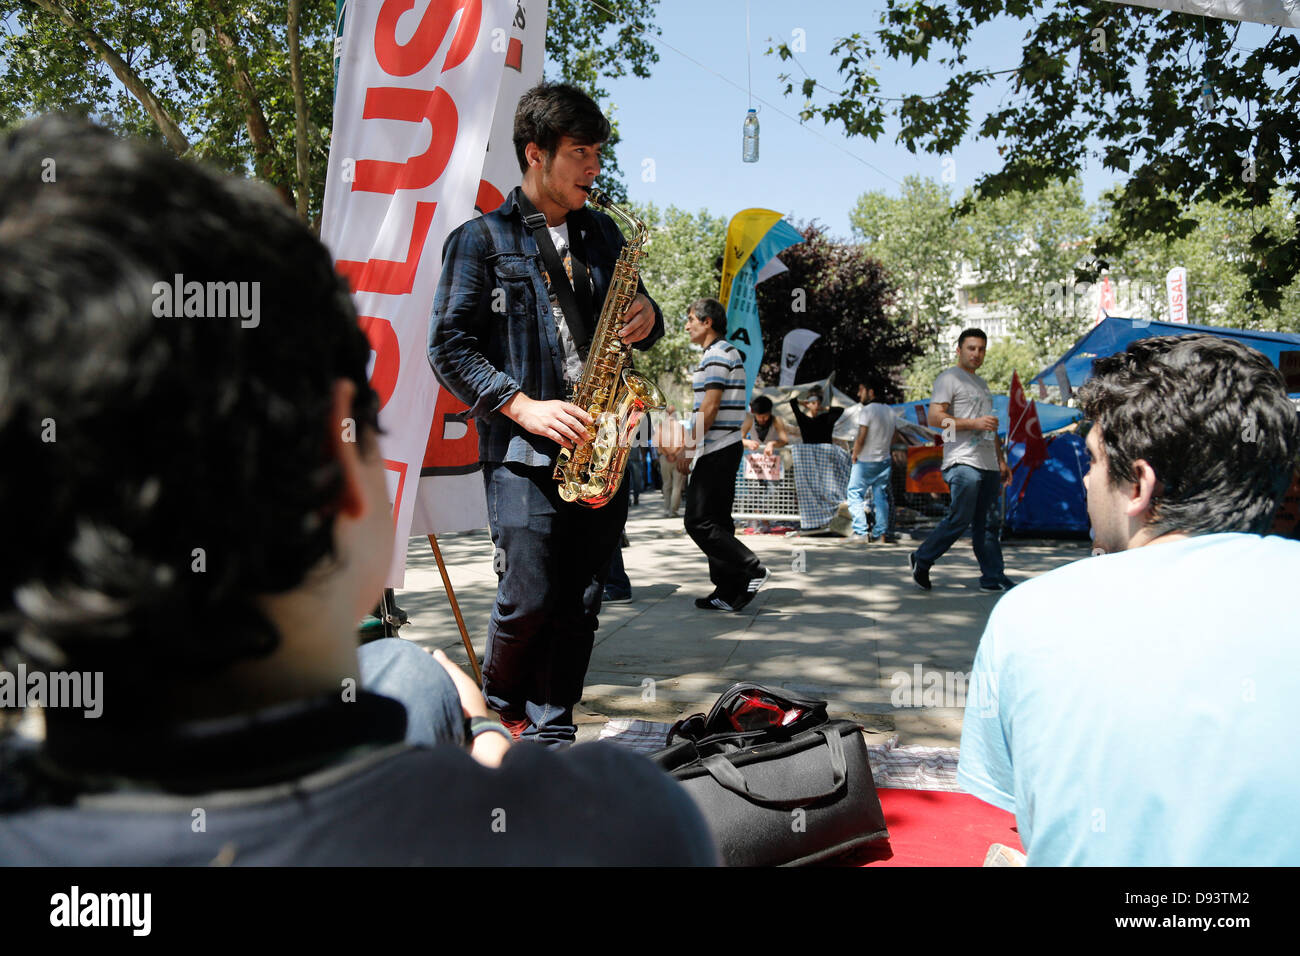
<point x="937" y="828"/>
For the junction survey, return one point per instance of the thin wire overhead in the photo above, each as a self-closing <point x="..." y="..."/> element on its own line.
<point x="659" y="41"/>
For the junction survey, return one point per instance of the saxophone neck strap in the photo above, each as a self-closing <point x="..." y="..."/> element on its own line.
<point x="574" y="299"/>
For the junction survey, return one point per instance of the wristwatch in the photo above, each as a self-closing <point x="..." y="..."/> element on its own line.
<point x="482" y="725"/>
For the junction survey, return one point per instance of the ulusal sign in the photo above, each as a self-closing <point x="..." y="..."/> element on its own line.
<point x="451" y="495"/>
<point x="1176" y="286"/>
<point x="417" y="85"/>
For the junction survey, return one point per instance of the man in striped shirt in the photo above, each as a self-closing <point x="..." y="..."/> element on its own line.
<point x="715" y="445"/>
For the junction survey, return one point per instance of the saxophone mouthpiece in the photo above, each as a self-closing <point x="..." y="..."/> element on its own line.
<point x="596" y="196"/>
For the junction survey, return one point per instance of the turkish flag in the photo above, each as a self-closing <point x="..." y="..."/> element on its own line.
<point x="1106" y="304"/>
<point x="1024" y="426"/>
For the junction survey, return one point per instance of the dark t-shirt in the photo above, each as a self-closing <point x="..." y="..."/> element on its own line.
<point x="391" y="804"/>
<point x="816" y="431"/>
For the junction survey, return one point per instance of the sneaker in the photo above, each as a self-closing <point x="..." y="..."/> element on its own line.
<point x="752" y="586"/>
<point x="617" y="599"/>
<point x="892" y="539"/>
<point x="860" y="536"/>
<point x="713" y="603"/>
<point x="921" y="577"/>
<point x="1006" y="584"/>
<point x="516" y="725"/>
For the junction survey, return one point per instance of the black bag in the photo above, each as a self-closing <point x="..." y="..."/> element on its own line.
<point x="778" y="783"/>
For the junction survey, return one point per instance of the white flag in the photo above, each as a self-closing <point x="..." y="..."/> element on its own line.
<point x="451" y="496"/>
<point x="793" y="347"/>
<point x="412" y="112"/>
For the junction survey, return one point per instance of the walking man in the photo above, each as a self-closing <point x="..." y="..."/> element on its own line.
<point x="714" y="444"/>
<point x="669" y="442"/>
<point x="871" y="467"/>
<point x="962" y="406"/>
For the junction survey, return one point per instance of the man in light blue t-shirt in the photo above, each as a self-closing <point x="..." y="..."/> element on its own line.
<point x="1139" y="707"/>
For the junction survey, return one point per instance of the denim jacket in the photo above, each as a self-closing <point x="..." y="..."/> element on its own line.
<point x="486" y="355"/>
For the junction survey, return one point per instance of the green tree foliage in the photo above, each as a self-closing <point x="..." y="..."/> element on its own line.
<point x="213" y="79"/>
<point x="1172" y="100"/>
<point x="915" y="237"/>
<point x="677" y="269"/>
<point x="840" y="292"/>
<point x="1217" y="291"/>
<point x="1025" y="247"/>
<point x="588" y="44"/>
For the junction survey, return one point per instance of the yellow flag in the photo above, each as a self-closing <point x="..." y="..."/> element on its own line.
<point x="746" y="230"/>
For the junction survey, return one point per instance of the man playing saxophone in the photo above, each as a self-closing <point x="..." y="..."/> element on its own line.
<point x="504" y="339"/>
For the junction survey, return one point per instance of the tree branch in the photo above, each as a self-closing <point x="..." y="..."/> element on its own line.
<point x="129" y="78"/>
<point x="299" y="110"/>
<point x="259" y="133"/>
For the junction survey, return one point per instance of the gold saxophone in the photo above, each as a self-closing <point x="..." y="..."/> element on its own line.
<point x="609" y="390"/>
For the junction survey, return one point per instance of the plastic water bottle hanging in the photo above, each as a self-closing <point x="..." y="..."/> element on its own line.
<point x="750" y="150"/>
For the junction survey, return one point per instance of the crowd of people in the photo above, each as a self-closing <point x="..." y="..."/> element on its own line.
<point x="204" y="518"/>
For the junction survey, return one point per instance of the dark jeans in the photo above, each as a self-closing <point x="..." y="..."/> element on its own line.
<point x="396" y="668"/>
<point x="712" y="490"/>
<point x="551" y="561"/>
<point x="617" y="583"/>
<point x="974" y="505"/>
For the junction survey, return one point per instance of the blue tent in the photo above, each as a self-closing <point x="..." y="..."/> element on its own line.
<point x="1053" y="500"/>
<point x="1113" y="335"/>
<point x="1050" y="417"/>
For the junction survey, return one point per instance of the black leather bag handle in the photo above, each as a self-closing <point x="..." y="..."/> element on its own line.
<point x="729" y="776"/>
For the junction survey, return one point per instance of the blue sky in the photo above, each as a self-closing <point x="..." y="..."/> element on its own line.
<point x="687" y="119"/>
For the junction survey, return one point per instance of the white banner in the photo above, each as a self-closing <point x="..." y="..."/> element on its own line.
<point x="417" y="84"/>
<point x="1277" y="13"/>
<point x="1176" y="287"/>
<point x="793" y="347"/>
<point x="450" y="496"/>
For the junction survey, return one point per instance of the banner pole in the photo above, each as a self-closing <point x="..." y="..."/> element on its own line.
<point x="455" y="609"/>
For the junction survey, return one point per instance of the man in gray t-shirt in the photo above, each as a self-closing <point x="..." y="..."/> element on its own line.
<point x="972" y="463"/>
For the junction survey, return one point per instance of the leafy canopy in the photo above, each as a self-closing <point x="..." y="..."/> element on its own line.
<point x="212" y="78"/>
<point x="837" y="290"/>
<point x="1173" y="100"/>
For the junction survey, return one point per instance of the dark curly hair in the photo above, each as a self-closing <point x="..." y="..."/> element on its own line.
<point x="131" y="440"/>
<point x="1210" y="416"/>
<point x="551" y="110"/>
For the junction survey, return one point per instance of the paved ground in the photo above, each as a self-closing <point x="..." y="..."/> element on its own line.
<point x="839" y="620"/>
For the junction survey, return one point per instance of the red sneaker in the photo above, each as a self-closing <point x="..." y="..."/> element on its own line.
<point x="516" y="725"/>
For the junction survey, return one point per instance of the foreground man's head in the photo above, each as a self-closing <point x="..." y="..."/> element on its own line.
<point x="1191" y="434"/>
<point x="195" y="500"/>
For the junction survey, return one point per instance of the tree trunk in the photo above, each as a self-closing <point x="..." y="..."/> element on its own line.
<point x="300" y="111"/>
<point x="129" y="78"/>
<point x="258" y="132"/>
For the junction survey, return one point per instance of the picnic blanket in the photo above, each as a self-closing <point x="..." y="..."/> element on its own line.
<point x="821" y="482"/>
